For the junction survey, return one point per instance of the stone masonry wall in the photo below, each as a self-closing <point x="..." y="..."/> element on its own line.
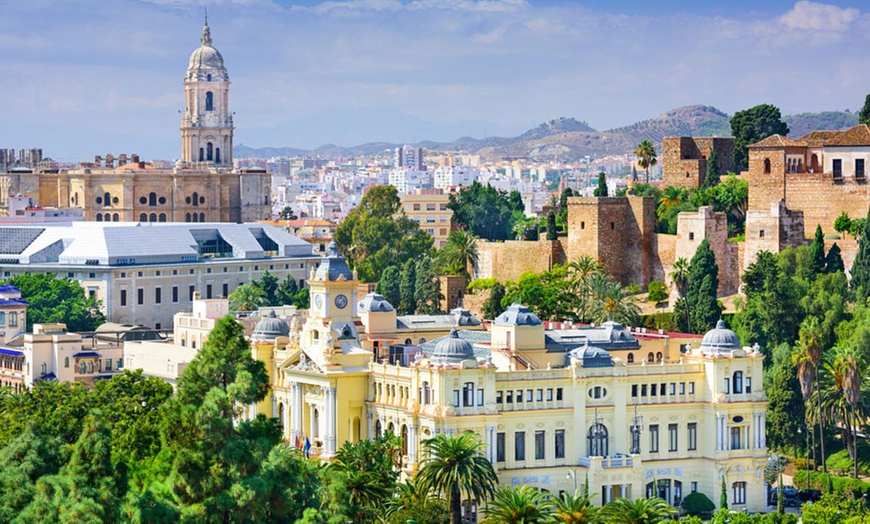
<point x="694" y="227"/>
<point x="508" y="260"/>
<point x="684" y="159"/>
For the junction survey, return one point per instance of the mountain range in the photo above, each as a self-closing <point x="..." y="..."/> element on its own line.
<point x="568" y="139"/>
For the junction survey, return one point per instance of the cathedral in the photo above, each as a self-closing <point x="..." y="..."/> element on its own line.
<point x="203" y="186"/>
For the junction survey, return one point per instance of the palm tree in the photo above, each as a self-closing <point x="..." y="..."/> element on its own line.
<point x="459" y="252"/>
<point x="455" y="465"/>
<point x="841" y="393"/>
<point x="573" y="509"/>
<point x="247" y="297"/>
<point x="806" y="375"/>
<point x="580" y="272"/>
<point x="811" y="334"/>
<point x="855" y="368"/>
<point x="646" y="156"/>
<point x="672" y="196"/>
<point x="517" y="505"/>
<point x="609" y="301"/>
<point x="680" y="277"/>
<point x="638" y="511"/>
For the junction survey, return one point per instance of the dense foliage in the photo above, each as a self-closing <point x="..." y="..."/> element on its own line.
<point x="485" y="211"/>
<point x="53" y="299"/>
<point x="754" y="124"/>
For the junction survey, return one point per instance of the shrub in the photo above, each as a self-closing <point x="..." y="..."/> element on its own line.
<point x="697" y="504"/>
<point x="657" y="291"/>
<point x="482" y="283"/>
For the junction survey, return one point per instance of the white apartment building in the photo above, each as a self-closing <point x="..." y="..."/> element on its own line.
<point x="455" y="176"/>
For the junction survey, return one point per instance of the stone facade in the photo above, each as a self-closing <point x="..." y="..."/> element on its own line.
<point x="620" y="232"/>
<point x="684" y="159"/>
<point x="772" y="230"/>
<point x="508" y="260"/>
<point x="693" y="227"/>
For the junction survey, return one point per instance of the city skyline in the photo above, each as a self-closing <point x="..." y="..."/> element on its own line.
<point x="100" y="77"/>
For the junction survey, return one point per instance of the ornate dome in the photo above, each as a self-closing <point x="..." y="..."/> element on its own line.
<point x="720" y="340"/>
<point x="333" y="265"/>
<point x="592" y="357"/>
<point x="518" y="315"/>
<point x="269" y="328"/>
<point x="207" y="60"/>
<point x="374" y="302"/>
<point x="452" y="349"/>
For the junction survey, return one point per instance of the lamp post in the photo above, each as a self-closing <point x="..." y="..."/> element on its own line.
<point x="572" y="475"/>
<point x="636" y="428"/>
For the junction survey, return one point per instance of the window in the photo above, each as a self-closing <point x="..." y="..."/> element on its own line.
<point x="468" y="394"/>
<point x="209" y="101"/>
<point x="520" y="445"/>
<point x="693" y="436"/>
<point x="528" y="395"/>
<point x="691" y="388"/>
<point x="174" y="294"/>
<point x="499" y="397"/>
<point x="654" y="438"/>
<point x="727" y="385"/>
<point x="91" y="366"/>
<point x="630" y="358"/>
<point x="672" y="437"/>
<point x="691" y="236"/>
<point x="509" y="397"/>
<point x="519" y="395"/>
<point x="672" y="388"/>
<point x="499" y="447"/>
<point x="455" y="397"/>
<point x="748" y="384"/>
<point x="81" y="368"/>
<point x="767" y="165"/>
<point x="682" y="388"/>
<point x="738" y="382"/>
<point x="13" y="319"/>
<point x="66" y="362"/>
<point x="738" y="490"/>
<point x="735" y="437"/>
<point x="560" y="444"/>
<point x="597" y="441"/>
<point x="558" y="393"/>
<point x="108" y="364"/>
<point x="190" y="291"/>
<point x="120" y="363"/>
<point x="859" y="167"/>
<point x="123" y="297"/>
<point x="643" y="390"/>
<point x="634" y="390"/>
<point x="480" y="397"/>
<point x="225" y="289"/>
<point x="140" y="296"/>
<point x="540" y="397"/>
<point x="158" y="295"/>
<point x="208" y="291"/>
<point x="539" y="445"/>
<point x="549" y="394"/>
<point x="838" y="167"/>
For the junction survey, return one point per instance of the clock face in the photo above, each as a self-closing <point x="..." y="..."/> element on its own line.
<point x="340" y="301"/>
<point x="318" y="301"/>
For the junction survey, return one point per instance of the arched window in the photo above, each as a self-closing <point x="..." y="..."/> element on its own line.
<point x="404" y="439"/>
<point x="187" y="217"/>
<point x="202" y="217"/>
<point x="281" y="415"/>
<point x="152" y="199"/>
<point x="81" y="368"/>
<point x="13" y="319"/>
<point x="316" y="424"/>
<point x="408" y="342"/>
<point x="66" y="362"/>
<point x="162" y="217"/>
<point x="597" y="441"/>
<point x="107" y="199"/>
<point x="209" y="152"/>
<point x="152" y="217"/>
<point x="209" y="101"/>
<point x="91" y="366"/>
<point x="650" y="357"/>
<point x="630" y="358"/>
<point x="767" y="165"/>
<point x="422" y="341"/>
<point x="659" y="356"/>
<point x="208" y="77"/>
<point x="116" y="217"/>
<point x="143" y="217"/>
<point x="378" y="429"/>
<point x="217" y="155"/>
<point x="737" y="380"/>
<point x="201" y="154"/>
<point x="195" y="199"/>
<point x="99" y="217"/>
<point x="196" y="217"/>
<point x="44" y="368"/>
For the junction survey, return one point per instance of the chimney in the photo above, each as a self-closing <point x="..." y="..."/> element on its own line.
<point x="141" y="165"/>
<point x="134" y="158"/>
<point x="122" y="159"/>
<point x="97" y="160"/>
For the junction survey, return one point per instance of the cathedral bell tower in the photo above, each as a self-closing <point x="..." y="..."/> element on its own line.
<point x="207" y="125"/>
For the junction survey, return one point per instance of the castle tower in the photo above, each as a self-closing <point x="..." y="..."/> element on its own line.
<point x="207" y="124"/>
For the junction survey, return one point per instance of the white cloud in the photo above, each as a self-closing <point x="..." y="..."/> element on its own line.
<point x="813" y="16"/>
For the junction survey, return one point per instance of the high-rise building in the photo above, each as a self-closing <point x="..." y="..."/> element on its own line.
<point x="409" y="157"/>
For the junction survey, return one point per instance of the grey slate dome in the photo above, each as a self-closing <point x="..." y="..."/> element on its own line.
<point x="452" y="349"/>
<point x="518" y="315"/>
<point x="206" y="58"/>
<point x="720" y="340"/>
<point x="374" y="302"/>
<point x="269" y="328"/>
<point x="333" y="265"/>
<point x="592" y="357"/>
<point x="463" y="317"/>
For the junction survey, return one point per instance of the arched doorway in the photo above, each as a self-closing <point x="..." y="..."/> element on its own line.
<point x="597" y="441"/>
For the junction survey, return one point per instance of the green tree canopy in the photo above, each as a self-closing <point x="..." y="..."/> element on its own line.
<point x="601" y="190"/>
<point x="711" y="175"/>
<point x="485" y="211"/>
<point x="389" y="284"/>
<point x="54" y="299"/>
<point x="864" y="114"/>
<point x="754" y="124"/>
<point x="860" y="282"/>
<point x="373" y="237"/>
<point x="702" y="287"/>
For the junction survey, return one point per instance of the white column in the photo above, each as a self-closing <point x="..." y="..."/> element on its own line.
<point x="718" y="432"/>
<point x="312" y="430"/>
<point x="762" y="430"/>
<point x="412" y="444"/>
<point x="622" y="491"/>
<point x="295" y="412"/>
<point x="370" y="420"/>
<point x="274" y="407"/>
<point x="329" y="406"/>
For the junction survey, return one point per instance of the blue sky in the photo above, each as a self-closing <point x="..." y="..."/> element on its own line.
<point x="96" y="76"/>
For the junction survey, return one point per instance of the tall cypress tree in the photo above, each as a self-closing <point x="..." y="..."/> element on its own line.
<point x="427" y="290"/>
<point x="816" y="263"/>
<point x="407" y="288"/>
<point x="601" y="190"/>
<point x="702" y="289"/>
<point x="834" y="260"/>
<point x="389" y="285"/>
<point x="861" y="267"/>
<point x="552" y="234"/>
<point x="711" y="176"/>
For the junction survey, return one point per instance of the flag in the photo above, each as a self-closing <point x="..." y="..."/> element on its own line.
<point x="307" y="448"/>
<point x="298" y="442"/>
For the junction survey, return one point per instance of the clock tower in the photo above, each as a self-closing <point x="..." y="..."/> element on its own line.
<point x="333" y="314"/>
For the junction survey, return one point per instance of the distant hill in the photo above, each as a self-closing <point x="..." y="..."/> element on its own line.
<point x="567" y="139"/>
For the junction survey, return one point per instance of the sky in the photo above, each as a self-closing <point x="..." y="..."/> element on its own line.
<point x="105" y="76"/>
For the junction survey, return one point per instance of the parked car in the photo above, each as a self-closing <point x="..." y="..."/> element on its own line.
<point x="809" y="495"/>
<point x="791" y="496"/>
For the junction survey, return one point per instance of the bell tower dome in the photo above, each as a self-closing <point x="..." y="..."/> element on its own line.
<point x="207" y="124"/>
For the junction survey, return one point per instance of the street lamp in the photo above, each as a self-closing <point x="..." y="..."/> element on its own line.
<point x="572" y="475"/>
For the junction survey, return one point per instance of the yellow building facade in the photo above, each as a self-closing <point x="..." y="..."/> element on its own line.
<point x="554" y="407"/>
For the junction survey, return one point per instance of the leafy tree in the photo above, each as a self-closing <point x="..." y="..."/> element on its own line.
<point x="517" y="505"/>
<point x="843" y="224"/>
<point x="811" y="340"/>
<point x="700" y="304"/>
<point x="754" y="124"/>
<point x="864" y="114"/>
<point x="785" y="408"/>
<point x="269" y="284"/>
<point x="408" y="288"/>
<point x="22" y="462"/>
<point x="697" y="504"/>
<point x="302" y="299"/>
<point x="671" y="196"/>
<point x="680" y="277"/>
<point x="861" y="266"/>
<point x="711" y="175"/>
<point x="286" y="292"/>
<point x="427" y="289"/>
<point x="856" y="227"/>
<point x="601" y="190"/>
<point x="247" y="297"/>
<point x="287" y="214"/>
<point x="388" y="285"/>
<point x="485" y="211"/>
<point x="657" y="291"/>
<point x="834" y="260"/>
<point x="373" y="237"/>
<point x="637" y="511"/>
<point x="552" y="233"/>
<point x="455" y="465"/>
<point x="562" y="215"/>
<point x="646" y="156"/>
<point x="723" y="495"/>
<point x="492" y="307"/>
<point x="459" y="253"/>
<point x="817" y="256"/>
<point x="54" y="299"/>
